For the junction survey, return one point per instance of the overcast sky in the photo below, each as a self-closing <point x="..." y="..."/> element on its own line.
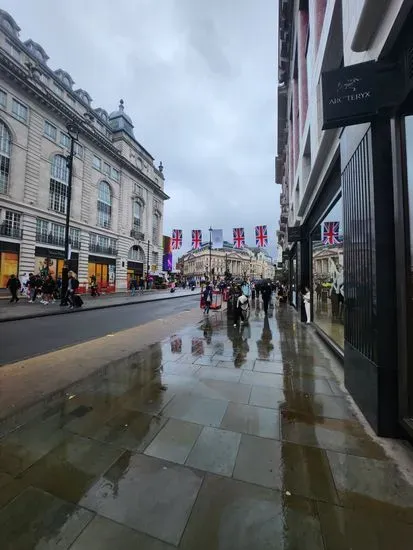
<point x="199" y="80"/>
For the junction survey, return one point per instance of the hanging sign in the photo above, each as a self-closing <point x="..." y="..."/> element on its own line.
<point x="295" y="234"/>
<point x="349" y="95"/>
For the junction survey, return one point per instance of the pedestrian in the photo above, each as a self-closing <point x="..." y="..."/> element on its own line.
<point x="31" y="288"/>
<point x="13" y="284"/>
<point x="241" y="310"/>
<point x="94" y="290"/>
<point x="72" y="286"/>
<point x="207" y="298"/>
<point x="133" y="286"/>
<point x="142" y="285"/>
<point x="307" y="304"/>
<point x="266" y="293"/>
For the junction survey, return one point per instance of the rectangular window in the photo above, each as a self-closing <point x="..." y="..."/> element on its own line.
<point x="97" y="163"/>
<point x="78" y="150"/>
<point x="3" y="99"/>
<point x="42" y="229"/>
<point x="50" y="130"/>
<point x="106" y="168"/>
<point x="19" y="110"/>
<point x="74" y="237"/>
<point x="13" y="51"/>
<point x="11" y="224"/>
<point x="58" y="196"/>
<point x="64" y="140"/>
<point x="115" y="174"/>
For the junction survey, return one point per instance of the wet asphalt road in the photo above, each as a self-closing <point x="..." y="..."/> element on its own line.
<point x="26" y="338"/>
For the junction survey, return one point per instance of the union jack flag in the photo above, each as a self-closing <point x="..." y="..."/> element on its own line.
<point x="261" y="236"/>
<point x="176" y="239"/>
<point x="330" y="232"/>
<point x="196" y="238"/>
<point x="239" y="237"/>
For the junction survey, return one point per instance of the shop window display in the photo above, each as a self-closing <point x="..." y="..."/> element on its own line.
<point x="328" y="296"/>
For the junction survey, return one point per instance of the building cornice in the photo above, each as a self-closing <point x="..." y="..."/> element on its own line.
<point x="16" y="73"/>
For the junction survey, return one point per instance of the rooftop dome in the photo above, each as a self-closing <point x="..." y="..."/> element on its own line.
<point x="119" y="120"/>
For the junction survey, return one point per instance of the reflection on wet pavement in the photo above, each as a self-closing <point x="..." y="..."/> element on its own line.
<point x="218" y="438"/>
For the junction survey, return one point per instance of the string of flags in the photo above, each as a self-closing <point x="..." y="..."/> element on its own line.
<point x="217" y="237"/>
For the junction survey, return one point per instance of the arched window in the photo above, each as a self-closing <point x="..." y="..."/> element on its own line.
<point x="5" y="150"/>
<point x="59" y="179"/>
<point x="104" y="205"/>
<point x="137" y="214"/>
<point x="136" y="254"/>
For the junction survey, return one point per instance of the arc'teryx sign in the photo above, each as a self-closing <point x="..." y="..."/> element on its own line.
<point x="349" y="95"/>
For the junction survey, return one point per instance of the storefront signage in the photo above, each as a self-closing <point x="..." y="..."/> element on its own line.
<point x="355" y="94"/>
<point x="349" y="95"/>
<point x="295" y="234"/>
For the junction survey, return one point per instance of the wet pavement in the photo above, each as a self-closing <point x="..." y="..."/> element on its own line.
<point x="217" y="438"/>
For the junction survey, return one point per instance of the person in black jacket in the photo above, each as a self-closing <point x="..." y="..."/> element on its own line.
<point x="13" y="284"/>
<point x="266" y="293"/>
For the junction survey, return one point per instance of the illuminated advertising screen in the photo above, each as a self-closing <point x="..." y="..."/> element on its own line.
<point x="167" y="245"/>
<point x="167" y="262"/>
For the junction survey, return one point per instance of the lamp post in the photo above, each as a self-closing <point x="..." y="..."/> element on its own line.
<point x="210" y="253"/>
<point x="147" y="265"/>
<point x="73" y="131"/>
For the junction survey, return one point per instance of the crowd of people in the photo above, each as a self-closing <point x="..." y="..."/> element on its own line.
<point x="43" y="288"/>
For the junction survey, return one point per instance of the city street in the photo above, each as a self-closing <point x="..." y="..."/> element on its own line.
<point x="29" y="337"/>
<point x="211" y="438"/>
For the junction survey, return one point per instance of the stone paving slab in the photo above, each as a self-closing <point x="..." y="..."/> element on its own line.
<point x="162" y="453"/>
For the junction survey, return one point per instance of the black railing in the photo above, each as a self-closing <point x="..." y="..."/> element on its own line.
<point x="13" y="232"/>
<point x="103" y="249"/>
<point x="135" y="234"/>
<point x="49" y="238"/>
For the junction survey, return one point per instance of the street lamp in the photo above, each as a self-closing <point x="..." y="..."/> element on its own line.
<point x="73" y="131"/>
<point x="210" y="253"/>
<point x="147" y="265"/>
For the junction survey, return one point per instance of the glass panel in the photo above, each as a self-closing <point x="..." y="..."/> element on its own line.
<point x="9" y="265"/>
<point x="328" y="275"/>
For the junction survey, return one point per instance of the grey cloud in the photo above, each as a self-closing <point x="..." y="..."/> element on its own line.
<point x="199" y="82"/>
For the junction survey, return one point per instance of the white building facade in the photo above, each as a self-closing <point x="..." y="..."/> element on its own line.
<point x="253" y="263"/>
<point x="118" y="194"/>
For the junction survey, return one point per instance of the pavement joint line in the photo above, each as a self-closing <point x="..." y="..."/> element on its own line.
<point x="93" y="308"/>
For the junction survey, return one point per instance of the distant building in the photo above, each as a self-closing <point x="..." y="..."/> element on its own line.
<point x="250" y="262"/>
<point x="117" y="194"/>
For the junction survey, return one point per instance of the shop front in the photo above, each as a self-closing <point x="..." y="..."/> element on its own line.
<point x="104" y="269"/>
<point x="9" y="261"/>
<point x="135" y="271"/>
<point x="50" y="261"/>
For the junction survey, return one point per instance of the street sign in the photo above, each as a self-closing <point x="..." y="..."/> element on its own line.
<point x="349" y="95"/>
<point x="355" y="94"/>
<point x="295" y="234"/>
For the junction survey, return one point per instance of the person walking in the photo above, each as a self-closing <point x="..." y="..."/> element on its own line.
<point x="94" y="289"/>
<point x="266" y="293"/>
<point x="307" y="304"/>
<point x="133" y="286"/>
<point x="72" y="285"/>
<point x="207" y="298"/>
<point x="13" y="284"/>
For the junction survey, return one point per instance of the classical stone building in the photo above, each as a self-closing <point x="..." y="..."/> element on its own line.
<point x="117" y="192"/>
<point x="250" y="262"/>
